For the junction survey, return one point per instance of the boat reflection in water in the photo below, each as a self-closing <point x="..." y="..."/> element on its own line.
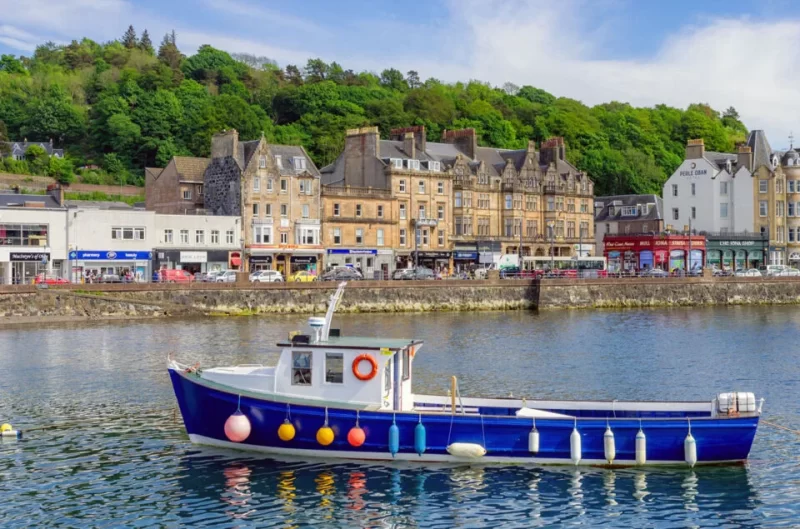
<point x="290" y="492"/>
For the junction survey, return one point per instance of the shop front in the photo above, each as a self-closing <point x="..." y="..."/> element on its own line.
<point x="489" y="252"/>
<point x="23" y="267"/>
<point x="194" y="261"/>
<point x="641" y="252"/>
<point x="465" y="256"/>
<point x="374" y="263"/>
<point x="260" y="261"/>
<point x="436" y="261"/>
<point x="92" y="265"/>
<point x="735" y="251"/>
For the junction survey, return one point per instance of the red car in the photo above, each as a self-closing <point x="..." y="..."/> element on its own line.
<point x="50" y="280"/>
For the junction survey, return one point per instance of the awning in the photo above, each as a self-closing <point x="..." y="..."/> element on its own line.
<point x="236" y="261"/>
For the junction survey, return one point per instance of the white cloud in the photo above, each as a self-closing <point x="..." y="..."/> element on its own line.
<point x="244" y="11"/>
<point x="188" y="41"/>
<point x="748" y="64"/>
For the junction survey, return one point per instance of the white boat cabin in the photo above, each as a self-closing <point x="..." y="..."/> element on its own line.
<point x="347" y="372"/>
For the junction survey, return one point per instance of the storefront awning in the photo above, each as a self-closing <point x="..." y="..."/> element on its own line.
<point x="236" y="261"/>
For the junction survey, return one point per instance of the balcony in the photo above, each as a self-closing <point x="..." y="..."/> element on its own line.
<point x="554" y="189"/>
<point x="353" y="191"/>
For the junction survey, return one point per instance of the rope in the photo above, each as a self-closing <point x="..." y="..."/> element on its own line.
<point x="451" y="429"/>
<point x="796" y="432"/>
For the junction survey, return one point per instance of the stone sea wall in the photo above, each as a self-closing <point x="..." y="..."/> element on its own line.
<point x="94" y="302"/>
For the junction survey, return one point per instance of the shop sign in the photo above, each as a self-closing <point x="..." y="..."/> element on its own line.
<point x="352" y="251"/>
<point x="194" y="257"/>
<point x="110" y="255"/>
<point x="465" y="255"/>
<point x="693" y="172"/>
<point x="433" y="255"/>
<point x="261" y="259"/>
<point x="29" y="256"/>
<point x="735" y="243"/>
<point x="303" y="259"/>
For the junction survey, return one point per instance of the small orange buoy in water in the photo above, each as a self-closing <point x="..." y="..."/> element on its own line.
<point x="356" y="436"/>
<point x="237" y="427"/>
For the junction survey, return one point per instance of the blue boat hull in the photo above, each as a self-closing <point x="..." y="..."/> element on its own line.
<point x="205" y="409"/>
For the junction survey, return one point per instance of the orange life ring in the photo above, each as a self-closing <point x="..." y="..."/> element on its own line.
<point x="358" y="374"/>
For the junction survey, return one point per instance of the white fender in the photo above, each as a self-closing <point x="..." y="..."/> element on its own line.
<point x="575" y="446"/>
<point x="609" y="447"/>
<point x="472" y="450"/>
<point x="641" y="448"/>
<point x="690" y="450"/>
<point x="533" y="441"/>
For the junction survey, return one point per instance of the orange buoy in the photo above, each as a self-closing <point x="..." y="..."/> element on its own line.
<point x="356" y="436"/>
<point x="365" y="358"/>
<point x="237" y="427"/>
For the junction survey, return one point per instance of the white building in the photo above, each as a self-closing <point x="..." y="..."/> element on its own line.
<point x="197" y="243"/>
<point x="33" y="239"/>
<point x="710" y="191"/>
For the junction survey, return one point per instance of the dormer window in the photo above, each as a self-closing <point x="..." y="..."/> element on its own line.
<point x="728" y="166"/>
<point x="775" y="161"/>
<point x="412" y="164"/>
<point x="299" y="163"/>
<point x="278" y="161"/>
<point x="434" y="166"/>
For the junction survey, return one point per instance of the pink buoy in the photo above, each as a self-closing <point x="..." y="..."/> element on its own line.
<point x="237" y="427"/>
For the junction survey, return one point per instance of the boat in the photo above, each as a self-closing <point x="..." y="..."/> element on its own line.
<point x="341" y="397"/>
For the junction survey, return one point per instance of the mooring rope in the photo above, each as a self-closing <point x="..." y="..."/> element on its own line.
<point x="796" y="432"/>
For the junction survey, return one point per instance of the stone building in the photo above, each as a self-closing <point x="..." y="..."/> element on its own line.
<point x="627" y="214"/>
<point x="18" y="149"/>
<point x="275" y="189"/>
<point x="177" y="189"/>
<point x="458" y="197"/>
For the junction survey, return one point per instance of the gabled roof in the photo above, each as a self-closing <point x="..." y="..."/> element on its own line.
<point x="719" y="159"/>
<point x="191" y="168"/>
<point x="19" y="148"/>
<point x="620" y="201"/>
<point x="762" y="152"/>
<point x="153" y="172"/>
<point x="288" y="153"/>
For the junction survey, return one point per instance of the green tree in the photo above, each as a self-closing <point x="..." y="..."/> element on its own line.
<point x="146" y="45"/>
<point x="61" y="169"/>
<point x="394" y="80"/>
<point x="11" y="65"/>
<point x="5" y="149"/>
<point x="129" y="38"/>
<point x="37" y="159"/>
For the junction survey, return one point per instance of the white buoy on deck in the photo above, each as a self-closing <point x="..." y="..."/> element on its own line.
<point x="575" y="445"/>
<point x="533" y="440"/>
<point x="641" y="447"/>
<point x="609" y="446"/>
<point x="690" y="448"/>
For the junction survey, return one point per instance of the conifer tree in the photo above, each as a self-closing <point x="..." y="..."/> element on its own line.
<point x="146" y="44"/>
<point x="129" y="38"/>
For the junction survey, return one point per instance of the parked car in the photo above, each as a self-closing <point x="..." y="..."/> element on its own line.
<point x="483" y="272"/>
<point x="788" y="272"/>
<point x="43" y="279"/>
<point x="510" y="272"/>
<point x="211" y="277"/>
<point x="228" y="276"/>
<point x="654" y="272"/>
<point x="341" y="274"/>
<point x="724" y="272"/>
<point x="302" y="277"/>
<point x="110" y="278"/>
<point x="771" y="270"/>
<point x="169" y="275"/>
<point x="752" y="272"/>
<point x="266" y="276"/>
<point x="421" y="273"/>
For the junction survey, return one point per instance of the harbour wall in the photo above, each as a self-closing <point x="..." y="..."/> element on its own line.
<point x="26" y="303"/>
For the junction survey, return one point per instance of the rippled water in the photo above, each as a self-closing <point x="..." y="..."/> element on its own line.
<point x="104" y="446"/>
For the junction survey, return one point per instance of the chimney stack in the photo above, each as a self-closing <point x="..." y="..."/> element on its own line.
<point x="465" y="141"/>
<point x="57" y="192"/>
<point x="224" y="144"/>
<point x="408" y="145"/>
<point x="695" y="149"/>
<point x="361" y="148"/>
<point x="745" y="158"/>
<point x="553" y="149"/>
<point x="420" y="139"/>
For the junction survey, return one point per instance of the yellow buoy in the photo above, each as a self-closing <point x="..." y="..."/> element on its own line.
<point x="286" y="431"/>
<point x="6" y="428"/>
<point x="325" y="435"/>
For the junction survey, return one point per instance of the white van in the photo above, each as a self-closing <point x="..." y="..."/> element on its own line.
<point x="771" y="270"/>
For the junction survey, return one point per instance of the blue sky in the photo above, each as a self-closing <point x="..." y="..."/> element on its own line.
<point x="723" y="52"/>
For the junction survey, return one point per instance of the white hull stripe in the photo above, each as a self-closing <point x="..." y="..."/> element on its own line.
<point x="426" y="458"/>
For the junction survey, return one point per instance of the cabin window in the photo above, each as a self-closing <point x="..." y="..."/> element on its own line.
<point x="301" y="368"/>
<point x="334" y="368"/>
<point x="406" y="364"/>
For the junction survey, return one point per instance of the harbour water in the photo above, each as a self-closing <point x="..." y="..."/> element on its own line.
<point x="104" y="445"/>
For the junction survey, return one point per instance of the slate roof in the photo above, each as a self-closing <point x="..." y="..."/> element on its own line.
<point x="762" y="152"/>
<point x="618" y="201"/>
<point x="18" y="148"/>
<point x="191" y="168"/>
<point x="287" y="154"/>
<point x="720" y="159"/>
<point x="8" y="200"/>
<point x="98" y="204"/>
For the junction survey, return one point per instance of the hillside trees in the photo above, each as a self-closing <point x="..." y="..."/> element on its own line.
<point x="123" y="106"/>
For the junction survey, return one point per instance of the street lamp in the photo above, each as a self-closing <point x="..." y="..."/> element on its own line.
<point x="551" y="225"/>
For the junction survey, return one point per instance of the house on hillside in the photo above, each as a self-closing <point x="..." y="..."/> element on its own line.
<point x="17" y="149"/>
<point x="177" y="189"/>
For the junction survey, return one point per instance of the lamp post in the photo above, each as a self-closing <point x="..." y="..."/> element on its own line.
<point x="552" y="226"/>
<point x="519" y="250"/>
<point x="689" y="261"/>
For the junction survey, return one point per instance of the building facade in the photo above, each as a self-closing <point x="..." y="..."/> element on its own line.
<point x="710" y="191"/>
<point x="275" y="189"/>
<point x="736" y="251"/>
<point x="33" y="237"/>
<point x="455" y="204"/>
<point x="197" y="243"/>
<point x="177" y="189"/>
<point x="626" y="214"/>
<point x="636" y="253"/>
<point x="17" y="149"/>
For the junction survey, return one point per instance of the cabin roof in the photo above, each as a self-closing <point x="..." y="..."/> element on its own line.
<point x="356" y="342"/>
